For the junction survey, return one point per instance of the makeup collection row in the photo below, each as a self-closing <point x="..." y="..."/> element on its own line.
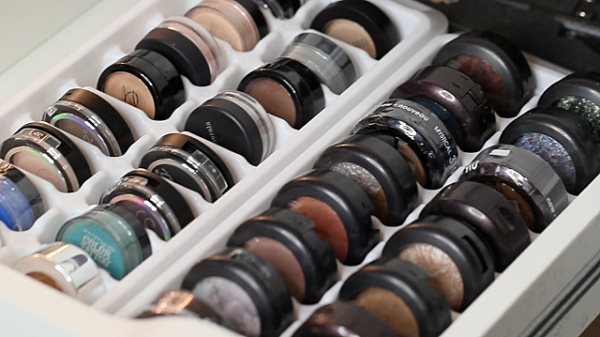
<point x="445" y="258"/>
<point x="144" y="209"/>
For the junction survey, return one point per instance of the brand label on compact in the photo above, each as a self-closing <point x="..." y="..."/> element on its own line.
<point x="446" y="143"/>
<point x="211" y="132"/>
<point x="409" y="109"/>
<point x="101" y="247"/>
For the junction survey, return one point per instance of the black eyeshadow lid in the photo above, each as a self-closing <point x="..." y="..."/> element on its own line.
<point x="295" y="232"/>
<point x="489" y="213"/>
<point x="386" y="165"/>
<point x="136" y="225"/>
<point x="512" y="85"/>
<point x="409" y="283"/>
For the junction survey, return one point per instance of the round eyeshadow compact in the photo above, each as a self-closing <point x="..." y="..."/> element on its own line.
<point x="563" y="139"/>
<point x="487" y="212"/>
<point x="112" y="236"/>
<point x="287" y="240"/>
<point x="237" y="122"/>
<point x="287" y="89"/>
<point x="494" y="63"/>
<point x="189" y="46"/>
<point x="282" y="9"/>
<point x="87" y="116"/>
<point x="146" y="80"/>
<point x="44" y="150"/>
<point x="380" y="170"/>
<point x="359" y="23"/>
<point x="20" y="201"/>
<point x="152" y="200"/>
<point x="246" y="289"/>
<point x="185" y="160"/>
<point x="418" y="134"/>
<point x="578" y="93"/>
<point x="456" y="259"/>
<point x="325" y="58"/>
<point x="523" y="177"/>
<point x="344" y="319"/>
<point x="66" y="268"/>
<point x="340" y="209"/>
<point x="456" y="100"/>
<point x="238" y="22"/>
<point x="399" y="293"/>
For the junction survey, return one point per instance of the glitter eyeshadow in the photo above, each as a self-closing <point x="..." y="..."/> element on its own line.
<point x="552" y="152"/>
<point x="391" y="309"/>
<point x="585" y="108"/>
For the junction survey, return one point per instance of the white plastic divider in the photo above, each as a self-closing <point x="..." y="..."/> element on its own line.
<point x="514" y="300"/>
<point x="417" y="24"/>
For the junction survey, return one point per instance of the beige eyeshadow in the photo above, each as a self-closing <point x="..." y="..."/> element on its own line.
<point x="352" y="33"/>
<point x="413" y="161"/>
<point x="45" y="279"/>
<point x="444" y="275"/>
<point x="130" y="89"/>
<point x="219" y="25"/>
<point x="283" y="260"/>
<point x="274" y="97"/>
<point x="328" y="225"/>
<point x="32" y="161"/>
<point x="391" y="309"/>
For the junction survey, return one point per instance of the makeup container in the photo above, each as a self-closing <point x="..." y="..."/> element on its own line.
<point x="238" y="22"/>
<point x="563" y="139"/>
<point x="578" y="93"/>
<point x="282" y="9"/>
<point x="146" y="80"/>
<point x="523" y="177"/>
<point x="344" y="319"/>
<point x="153" y="201"/>
<point x="184" y="303"/>
<point x="359" y="23"/>
<point x="45" y="151"/>
<point x="20" y="201"/>
<point x="185" y="160"/>
<point x="494" y="63"/>
<point x="399" y="293"/>
<point x="288" y="241"/>
<point x="113" y="237"/>
<point x="189" y="46"/>
<point x="457" y="260"/>
<point x="340" y="209"/>
<point x="380" y="170"/>
<point x="237" y="122"/>
<point x="246" y="289"/>
<point x="456" y="100"/>
<point x="287" y="89"/>
<point x="418" y="134"/>
<point x="325" y="58"/>
<point x="87" y="116"/>
<point x="495" y="218"/>
<point x="66" y="268"/>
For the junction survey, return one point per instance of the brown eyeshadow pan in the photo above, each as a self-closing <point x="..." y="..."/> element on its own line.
<point x="274" y="97"/>
<point x="391" y="309"/>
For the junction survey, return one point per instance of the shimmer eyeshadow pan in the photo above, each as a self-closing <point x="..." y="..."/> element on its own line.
<point x="20" y="201"/>
<point x="494" y="63"/>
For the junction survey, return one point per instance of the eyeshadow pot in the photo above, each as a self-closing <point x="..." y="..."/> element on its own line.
<point x="236" y="121"/>
<point x="380" y="170"/>
<point x="399" y="293"/>
<point x="524" y="177"/>
<point x="189" y="47"/>
<point x="45" y="151"/>
<point x="185" y="160"/>
<point x="20" y="201"/>
<point x="282" y="9"/>
<point x="287" y="89"/>
<point x="152" y="200"/>
<point x="457" y="260"/>
<point x="238" y="22"/>
<point x="339" y="208"/>
<point x="287" y="240"/>
<point x="359" y="23"/>
<point x="246" y="289"/>
<point x="112" y="236"/>
<point x="418" y="134"/>
<point x="146" y="80"/>
<point x="66" y="268"/>
<point x="456" y="100"/>
<point x="494" y="63"/>
<point x="325" y="58"/>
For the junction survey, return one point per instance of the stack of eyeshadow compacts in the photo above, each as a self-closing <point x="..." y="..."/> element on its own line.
<point x="443" y="260"/>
